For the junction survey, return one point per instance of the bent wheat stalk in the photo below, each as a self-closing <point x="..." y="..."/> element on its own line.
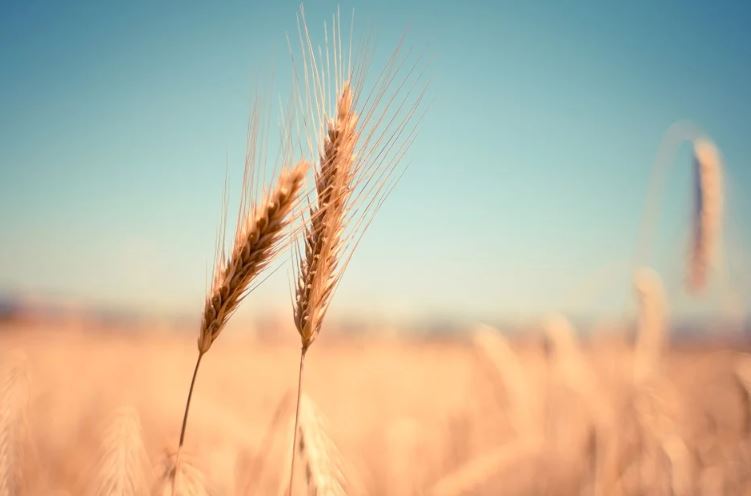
<point x="708" y="202"/>
<point x="257" y="240"/>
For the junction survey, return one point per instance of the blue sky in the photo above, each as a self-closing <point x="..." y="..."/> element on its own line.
<point x="524" y="189"/>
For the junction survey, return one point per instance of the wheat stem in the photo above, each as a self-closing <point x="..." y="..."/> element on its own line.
<point x="187" y="403"/>
<point x="297" y="419"/>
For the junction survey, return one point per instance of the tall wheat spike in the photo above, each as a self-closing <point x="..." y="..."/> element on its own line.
<point x="359" y="144"/>
<point x="708" y="206"/>
<point x="651" y="334"/>
<point x="258" y="237"/>
<point x="13" y="402"/>
<point x="123" y="467"/>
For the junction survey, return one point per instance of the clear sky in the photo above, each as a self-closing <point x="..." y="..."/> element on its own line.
<point x="524" y="189"/>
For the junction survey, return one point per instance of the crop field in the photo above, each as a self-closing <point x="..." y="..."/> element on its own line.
<point x="404" y="416"/>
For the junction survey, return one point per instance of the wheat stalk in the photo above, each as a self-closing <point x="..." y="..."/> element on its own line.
<point x="651" y="335"/>
<point x="482" y="467"/>
<point x="318" y="270"/>
<point x="123" y="458"/>
<point x="257" y="239"/>
<point x="13" y="399"/>
<point x="575" y="371"/>
<point x="708" y="205"/>
<point x="508" y="368"/>
<point x="359" y="146"/>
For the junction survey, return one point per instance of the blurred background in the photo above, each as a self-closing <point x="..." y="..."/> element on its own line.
<point x="524" y="191"/>
<point x="488" y="325"/>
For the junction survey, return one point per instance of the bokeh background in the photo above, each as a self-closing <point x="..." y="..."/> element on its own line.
<point x="524" y="191"/>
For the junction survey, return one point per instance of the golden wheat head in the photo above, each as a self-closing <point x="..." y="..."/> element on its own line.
<point x="256" y="241"/>
<point x="123" y="467"/>
<point x="708" y="206"/>
<point x="323" y="466"/>
<point x="359" y="144"/>
<point x="318" y="269"/>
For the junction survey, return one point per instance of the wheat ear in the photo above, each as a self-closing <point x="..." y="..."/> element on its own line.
<point x="318" y="272"/>
<point x="651" y="336"/>
<point x="122" y="470"/>
<point x="179" y="477"/>
<point x="13" y="399"/>
<point x="708" y="204"/>
<point x="359" y="149"/>
<point x="257" y="239"/>
<point x="323" y="466"/>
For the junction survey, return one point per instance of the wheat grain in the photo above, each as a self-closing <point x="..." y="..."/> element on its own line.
<point x="122" y="470"/>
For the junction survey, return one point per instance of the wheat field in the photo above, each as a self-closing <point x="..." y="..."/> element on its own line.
<point x="94" y="408"/>
<point x="404" y="416"/>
